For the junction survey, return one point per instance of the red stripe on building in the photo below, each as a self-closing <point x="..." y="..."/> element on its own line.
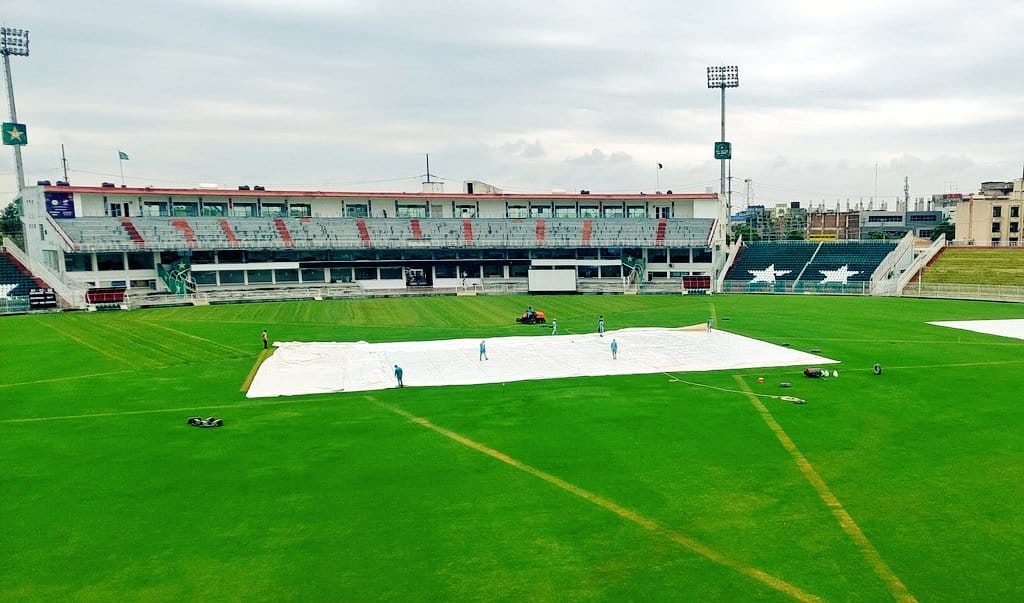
<point x="133" y="232"/>
<point x="364" y="233"/>
<point x="417" y="232"/>
<point x="467" y="231"/>
<point x="186" y="229"/>
<point x="230" y="234"/>
<point x="282" y="230"/>
<point x="540" y="232"/>
<point x="588" y="227"/>
<point x="660" y="239"/>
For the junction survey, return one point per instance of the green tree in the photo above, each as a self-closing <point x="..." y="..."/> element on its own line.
<point x="745" y="231"/>
<point x="10" y="222"/>
<point x="944" y="228"/>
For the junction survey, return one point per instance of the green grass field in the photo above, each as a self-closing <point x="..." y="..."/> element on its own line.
<point x="648" y="487"/>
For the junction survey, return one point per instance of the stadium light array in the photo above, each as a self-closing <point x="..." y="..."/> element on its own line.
<point x="724" y="77"/>
<point x="13" y="42"/>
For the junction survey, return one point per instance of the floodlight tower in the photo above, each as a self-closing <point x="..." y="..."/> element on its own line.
<point x="723" y="77"/>
<point x="14" y="42"/>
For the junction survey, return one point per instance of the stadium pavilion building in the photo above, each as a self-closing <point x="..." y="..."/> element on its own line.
<point x="99" y="243"/>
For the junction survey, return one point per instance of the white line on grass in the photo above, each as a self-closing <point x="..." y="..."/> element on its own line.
<point x="609" y="505"/>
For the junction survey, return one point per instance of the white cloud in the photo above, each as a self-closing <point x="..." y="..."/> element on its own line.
<point x="531" y="96"/>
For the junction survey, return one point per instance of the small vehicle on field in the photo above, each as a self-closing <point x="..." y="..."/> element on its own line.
<point x="532" y="317"/>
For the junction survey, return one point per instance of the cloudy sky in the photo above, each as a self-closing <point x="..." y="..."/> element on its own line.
<point x="837" y="100"/>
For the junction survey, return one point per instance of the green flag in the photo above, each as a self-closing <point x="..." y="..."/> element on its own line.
<point x="15" y="133"/>
<point x="122" y="156"/>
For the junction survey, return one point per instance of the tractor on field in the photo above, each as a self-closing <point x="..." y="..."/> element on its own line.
<point x="531" y="317"/>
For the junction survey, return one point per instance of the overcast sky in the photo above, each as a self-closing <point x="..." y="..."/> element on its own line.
<point x="530" y="96"/>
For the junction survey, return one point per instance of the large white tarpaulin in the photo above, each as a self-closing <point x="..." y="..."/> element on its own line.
<point x="1013" y="327"/>
<point x="298" y="368"/>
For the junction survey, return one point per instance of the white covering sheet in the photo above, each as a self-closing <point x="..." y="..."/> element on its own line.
<point x="1013" y="327"/>
<point x="298" y="368"/>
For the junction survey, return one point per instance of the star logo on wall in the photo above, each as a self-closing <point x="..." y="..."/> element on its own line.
<point x="767" y="275"/>
<point x="841" y="275"/>
<point x="6" y="289"/>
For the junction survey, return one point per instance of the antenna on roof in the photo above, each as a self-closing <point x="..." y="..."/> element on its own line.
<point x="428" y="167"/>
<point x="64" y="161"/>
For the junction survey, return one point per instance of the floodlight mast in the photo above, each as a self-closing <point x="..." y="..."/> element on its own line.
<point x="723" y="77"/>
<point x="14" y="42"/>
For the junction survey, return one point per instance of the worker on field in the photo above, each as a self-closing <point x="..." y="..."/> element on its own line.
<point x="554" y="326"/>
<point x="265" y="339"/>
<point x="483" y="350"/>
<point x="600" y="325"/>
<point x="615" y="349"/>
<point x="398" y="375"/>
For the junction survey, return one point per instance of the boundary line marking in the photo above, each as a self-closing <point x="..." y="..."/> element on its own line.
<point x="264" y="354"/>
<point x="874" y="558"/>
<point x="645" y="522"/>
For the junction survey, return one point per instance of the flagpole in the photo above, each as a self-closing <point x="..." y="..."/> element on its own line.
<point x="120" y="161"/>
<point x="657" y="186"/>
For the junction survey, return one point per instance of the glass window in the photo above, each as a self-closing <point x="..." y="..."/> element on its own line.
<point x="565" y="211"/>
<point x="287" y="275"/>
<point x="260" y="276"/>
<point x="679" y="255"/>
<point x="517" y="211"/>
<point x="140" y="261"/>
<point x="701" y="255"/>
<point x="657" y="256"/>
<point x="186" y="209"/>
<point x="244" y="210"/>
<point x="205" y="278"/>
<point x="203" y="256"/>
<point x="341" y="275"/>
<point x="230" y="256"/>
<point x="356" y="211"/>
<point x="1015" y="211"/>
<point x="77" y="262"/>
<point x="300" y="210"/>
<point x="465" y="211"/>
<point x="391" y="272"/>
<point x="997" y="211"/>
<point x="613" y="211"/>
<point x="312" y="275"/>
<point x="154" y="208"/>
<point x="995" y="227"/>
<point x="540" y="211"/>
<point x="611" y="271"/>
<point x="587" y="271"/>
<point x="445" y="271"/>
<point x="215" y="209"/>
<point x="637" y="211"/>
<point x="519" y="270"/>
<point x="412" y="211"/>
<point x="589" y="211"/>
<point x="272" y="210"/>
<point x="366" y="273"/>
<point x="109" y="261"/>
<point x="493" y="270"/>
<point x="232" y="277"/>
